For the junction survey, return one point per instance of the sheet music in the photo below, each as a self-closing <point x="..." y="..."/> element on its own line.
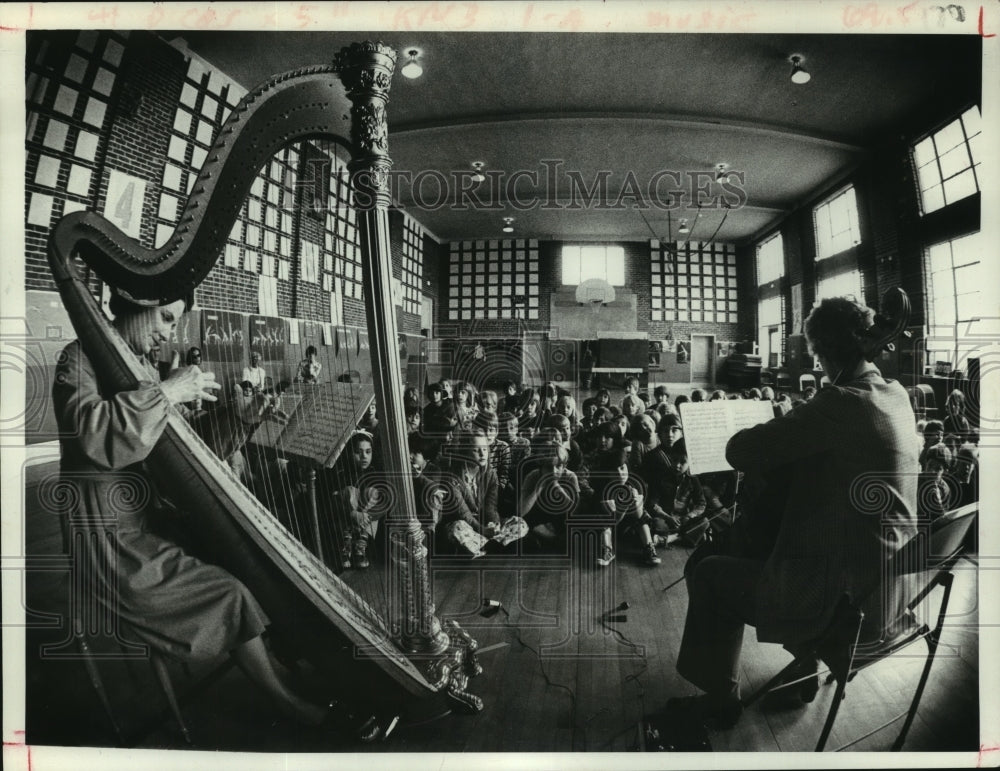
<point x="708" y="426"/>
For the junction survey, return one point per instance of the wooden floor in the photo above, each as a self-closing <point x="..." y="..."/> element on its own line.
<point x="555" y="678"/>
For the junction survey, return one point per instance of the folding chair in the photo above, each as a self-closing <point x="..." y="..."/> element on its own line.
<point x="160" y="670"/>
<point x="805" y="381"/>
<point x="937" y="553"/>
<point x="766" y="378"/>
<point x="783" y="381"/>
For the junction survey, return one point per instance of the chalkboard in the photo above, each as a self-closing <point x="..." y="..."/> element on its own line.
<point x="268" y="335"/>
<point x="623" y="353"/>
<point x="224" y="336"/>
<point x="187" y="335"/>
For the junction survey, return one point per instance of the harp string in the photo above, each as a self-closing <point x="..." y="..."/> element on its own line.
<point x="278" y="478"/>
<point x="233" y="522"/>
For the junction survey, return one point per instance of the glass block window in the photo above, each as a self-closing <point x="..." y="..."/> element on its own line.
<point x="581" y="262"/>
<point x="496" y="279"/>
<point x="693" y="281"/>
<point x="198" y="118"/>
<point x="413" y="265"/>
<point x="770" y="259"/>
<point x="309" y="260"/>
<point x="343" y="240"/>
<point x="836" y="224"/>
<point x="68" y="86"/>
<point x="953" y="280"/>
<point x="948" y="162"/>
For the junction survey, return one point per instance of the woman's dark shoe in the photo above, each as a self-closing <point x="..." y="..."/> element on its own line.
<point x="718" y="712"/>
<point x="681" y="725"/>
<point x="362" y="725"/>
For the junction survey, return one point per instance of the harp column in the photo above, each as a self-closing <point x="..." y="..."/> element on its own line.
<point x="366" y="72"/>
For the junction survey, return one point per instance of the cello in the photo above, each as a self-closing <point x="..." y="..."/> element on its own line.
<point x="762" y="497"/>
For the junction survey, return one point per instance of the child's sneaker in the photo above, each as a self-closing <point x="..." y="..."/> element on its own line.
<point x="606" y="558"/>
<point x="651" y="556"/>
<point x="360" y="553"/>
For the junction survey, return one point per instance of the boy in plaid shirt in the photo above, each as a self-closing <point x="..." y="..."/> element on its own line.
<point x="500" y="455"/>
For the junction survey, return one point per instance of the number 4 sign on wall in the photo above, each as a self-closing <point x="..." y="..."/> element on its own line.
<point x="123" y="205"/>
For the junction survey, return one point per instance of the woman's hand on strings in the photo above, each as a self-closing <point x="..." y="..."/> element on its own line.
<point x="186" y="384"/>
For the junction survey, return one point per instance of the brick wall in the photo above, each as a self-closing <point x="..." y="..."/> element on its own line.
<point x="140" y="108"/>
<point x="152" y="76"/>
<point x="228" y="289"/>
<point x="141" y="99"/>
<point x="96" y="101"/>
<point x="637" y="281"/>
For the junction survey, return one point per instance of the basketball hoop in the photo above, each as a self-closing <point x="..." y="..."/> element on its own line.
<point x="596" y="292"/>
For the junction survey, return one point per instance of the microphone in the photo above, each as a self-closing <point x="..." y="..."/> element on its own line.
<point x="490" y="608"/>
<point x="621" y="606"/>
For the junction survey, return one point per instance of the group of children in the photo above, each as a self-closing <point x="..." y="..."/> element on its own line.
<point x="491" y="469"/>
<point x="949" y="460"/>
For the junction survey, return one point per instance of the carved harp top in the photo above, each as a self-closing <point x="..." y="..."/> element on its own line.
<point x="343" y="102"/>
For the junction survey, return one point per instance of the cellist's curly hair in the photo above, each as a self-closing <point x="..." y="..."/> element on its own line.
<point x="836" y="327"/>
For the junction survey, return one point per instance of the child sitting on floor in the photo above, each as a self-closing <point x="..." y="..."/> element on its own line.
<point x="500" y="455"/>
<point x="357" y="502"/>
<point x="935" y="496"/>
<point x="507" y="431"/>
<point x="689" y="499"/>
<point x="548" y="494"/>
<point x="632" y="405"/>
<point x="933" y="434"/>
<point x="427" y="488"/>
<point x="619" y="500"/>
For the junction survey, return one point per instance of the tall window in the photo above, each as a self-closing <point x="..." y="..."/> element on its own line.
<point x="947" y="162"/>
<point x="843" y="284"/>
<point x="953" y="279"/>
<point x="770" y="330"/>
<point x="582" y="262"/>
<point x="836" y="222"/>
<point x="770" y="260"/>
<point x="770" y="313"/>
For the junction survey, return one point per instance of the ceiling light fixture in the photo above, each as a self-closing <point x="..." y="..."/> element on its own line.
<point x="478" y="176"/>
<point x="508" y="224"/>
<point x="721" y="172"/>
<point x="683" y="229"/>
<point x="412" y="69"/>
<point x="800" y="75"/>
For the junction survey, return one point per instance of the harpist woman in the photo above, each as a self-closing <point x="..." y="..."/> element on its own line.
<point x="185" y="608"/>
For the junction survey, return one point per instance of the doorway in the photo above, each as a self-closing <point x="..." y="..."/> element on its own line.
<point x="703" y="359"/>
<point x="427" y="314"/>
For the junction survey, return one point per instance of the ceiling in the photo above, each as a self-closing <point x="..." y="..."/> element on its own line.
<point x="628" y="107"/>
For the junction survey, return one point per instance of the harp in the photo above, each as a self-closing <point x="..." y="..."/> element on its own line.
<point x="402" y="653"/>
